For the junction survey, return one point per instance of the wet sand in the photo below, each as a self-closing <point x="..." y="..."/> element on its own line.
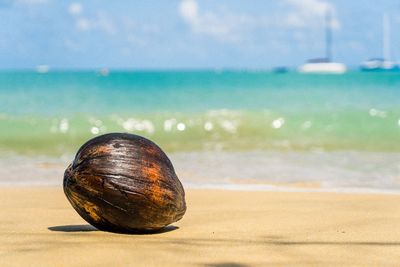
<point x="38" y="227"/>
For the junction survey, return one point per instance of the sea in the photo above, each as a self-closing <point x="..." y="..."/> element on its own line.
<point x="239" y="130"/>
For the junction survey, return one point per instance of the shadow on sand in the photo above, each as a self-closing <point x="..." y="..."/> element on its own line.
<point x="90" y="228"/>
<point x="226" y="264"/>
<point x="73" y="228"/>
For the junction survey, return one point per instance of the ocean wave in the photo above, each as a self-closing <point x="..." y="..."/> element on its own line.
<point x="223" y="129"/>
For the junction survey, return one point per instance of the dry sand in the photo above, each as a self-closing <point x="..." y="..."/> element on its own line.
<point x="38" y="227"/>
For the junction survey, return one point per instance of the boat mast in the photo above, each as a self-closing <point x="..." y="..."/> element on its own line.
<point x="386" y="37"/>
<point x="328" y="35"/>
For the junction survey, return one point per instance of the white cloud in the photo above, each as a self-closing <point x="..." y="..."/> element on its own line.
<point x="312" y="7"/>
<point x="83" y="24"/>
<point x="222" y="27"/>
<point x="189" y="10"/>
<point x="234" y="27"/>
<point x="75" y="8"/>
<point x="100" y="22"/>
<point x="306" y="13"/>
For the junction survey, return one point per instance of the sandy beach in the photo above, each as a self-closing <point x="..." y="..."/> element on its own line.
<point x="38" y="227"/>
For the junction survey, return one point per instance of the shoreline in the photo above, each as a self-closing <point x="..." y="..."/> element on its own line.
<point x="267" y="188"/>
<point x="347" y="172"/>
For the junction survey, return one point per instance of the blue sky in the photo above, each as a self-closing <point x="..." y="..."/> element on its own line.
<point x="170" y="34"/>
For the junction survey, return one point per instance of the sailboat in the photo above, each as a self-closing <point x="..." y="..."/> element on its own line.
<point x="324" y="65"/>
<point x="384" y="63"/>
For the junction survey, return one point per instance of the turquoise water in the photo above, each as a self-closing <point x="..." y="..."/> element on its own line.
<point x="53" y="113"/>
<point x="224" y="129"/>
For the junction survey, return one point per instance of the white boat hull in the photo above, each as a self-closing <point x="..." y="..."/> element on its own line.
<point x="378" y="65"/>
<point x="323" y="68"/>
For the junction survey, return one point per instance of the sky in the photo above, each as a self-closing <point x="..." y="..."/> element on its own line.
<point x="190" y="34"/>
